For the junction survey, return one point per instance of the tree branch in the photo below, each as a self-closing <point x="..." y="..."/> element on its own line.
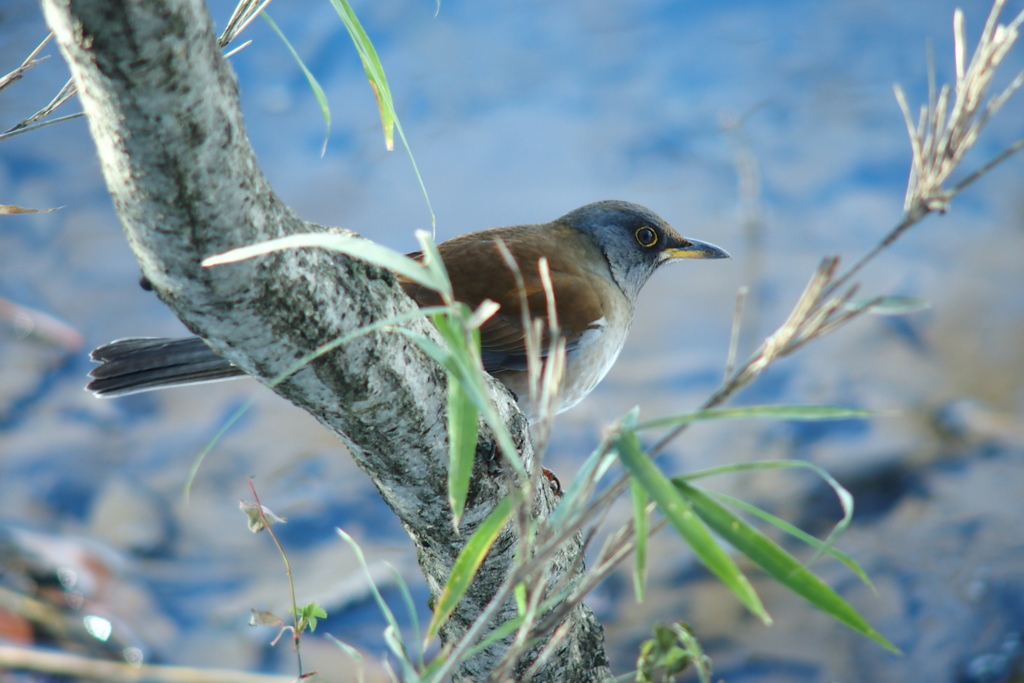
<point x="163" y="110"/>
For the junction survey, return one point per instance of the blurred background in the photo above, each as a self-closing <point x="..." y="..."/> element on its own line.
<point x="767" y="127"/>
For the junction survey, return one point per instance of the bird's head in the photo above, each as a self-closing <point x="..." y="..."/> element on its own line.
<point x="635" y="241"/>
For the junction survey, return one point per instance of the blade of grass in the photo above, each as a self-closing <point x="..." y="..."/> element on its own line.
<point x="520" y="596"/>
<point x="464" y="364"/>
<point x="318" y="92"/>
<point x="373" y="68"/>
<point x="782" y="566"/>
<point x="462" y="434"/>
<point x="410" y="608"/>
<point x="797" y="533"/>
<point x="379" y="84"/>
<point x="639" y="499"/>
<point x="693" y="530"/>
<point x="768" y="412"/>
<point x="590" y="472"/>
<point x="433" y="262"/>
<point x="349" y="650"/>
<point x="393" y="639"/>
<point x="844" y="496"/>
<point x="467" y="563"/>
<point x="384" y="609"/>
<point x="350" y="245"/>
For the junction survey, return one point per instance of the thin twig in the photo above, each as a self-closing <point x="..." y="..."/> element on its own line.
<point x="36" y="126"/>
<point x="62" y="96"/>
<point x="245" y="12"/>
<point x="26" y="64"/>
<point x="84" y="668"/>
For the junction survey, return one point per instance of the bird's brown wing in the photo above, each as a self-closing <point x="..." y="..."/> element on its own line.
<point x="502" y="337"/>
<point x="477" y="278"/>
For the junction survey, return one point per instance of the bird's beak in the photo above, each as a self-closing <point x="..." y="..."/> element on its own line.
<point x="693" y="249"/>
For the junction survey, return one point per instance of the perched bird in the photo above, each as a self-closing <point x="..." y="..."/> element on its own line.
<point x="599" y="257"/>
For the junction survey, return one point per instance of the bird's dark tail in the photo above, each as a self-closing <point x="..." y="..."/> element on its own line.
<point x="130" y="366"/>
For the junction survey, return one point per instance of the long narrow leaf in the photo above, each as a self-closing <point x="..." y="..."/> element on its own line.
<point x="681" y="515"/>
<point x="410" y="608"/>
<point x="581" y="486"/>
<point x="372" y="66"/>
<point x="462" y="433"/>
<point x="797" y="533"/>
<point x="379" y="84"/>
<point x="772" y="412"/>
<point x="432" y="261"/>
<point x="384" y="609"/>
<point x="519" y="592"/>
<point x="467" y="563"/>
<point x="393" y="639"/>
<point x="782" y="566"/>
<point x="639" y="499"/>
<point x="352" y="653"/>
<point x="318" y="92"/>
<point x="465" y="365"/>
<point x="350" y="245"/>
<point x="844" y="496"/>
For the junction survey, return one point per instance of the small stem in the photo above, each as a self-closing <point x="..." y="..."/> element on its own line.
<point x="296" y="635"/>
<point x="1006" y="154"/>
<point x="737" y="322"/>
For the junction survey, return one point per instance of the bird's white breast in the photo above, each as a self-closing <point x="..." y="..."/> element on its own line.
<point x="596" y="350"/>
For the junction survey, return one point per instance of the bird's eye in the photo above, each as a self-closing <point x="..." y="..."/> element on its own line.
<point x="646" y="237"/>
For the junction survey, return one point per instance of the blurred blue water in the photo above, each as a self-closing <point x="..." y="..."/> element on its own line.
<point x="518" y="112"/>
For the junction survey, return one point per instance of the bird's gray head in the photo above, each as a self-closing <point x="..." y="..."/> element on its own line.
<point x="635" y="241"/>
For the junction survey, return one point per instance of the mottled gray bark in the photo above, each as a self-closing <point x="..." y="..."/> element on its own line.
<point x="163" y="110"/>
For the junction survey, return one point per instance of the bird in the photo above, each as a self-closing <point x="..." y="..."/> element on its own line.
<point x="599" y="257"/>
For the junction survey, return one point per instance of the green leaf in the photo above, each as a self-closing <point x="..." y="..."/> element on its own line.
<point x="410" y="608"/>
<point x="671" y="651"/>
<point x="393" y="639"/>
<point x="464" y="364"/>
<point x="384" y="609"/>
<point x="680" y="514"/>
<point x="889" y="305"/>
<point x="318" y="92"/>
<point x="463" y="370"/>
<point x="308" y="615"/>
<point x="350" y="245"/>
<point x="467" y="563"/>
<point x="582" y="485"/>
<point x="432" y="261"/>
<point x="462" y="434"/>
<point x="373" y="68"/>
<point x="797" y="533"/>
<point x="193" y="471"/>
<point x="502" y="631"/>
<point x="845" y="499"/>
<point x="379" y="84"/>
<point x="352" y="653"/>
<point x="782" y="566"/>
<point x="639" y="499"/>
<point x="520" y="594"/>
<point x="802" y="413"/>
